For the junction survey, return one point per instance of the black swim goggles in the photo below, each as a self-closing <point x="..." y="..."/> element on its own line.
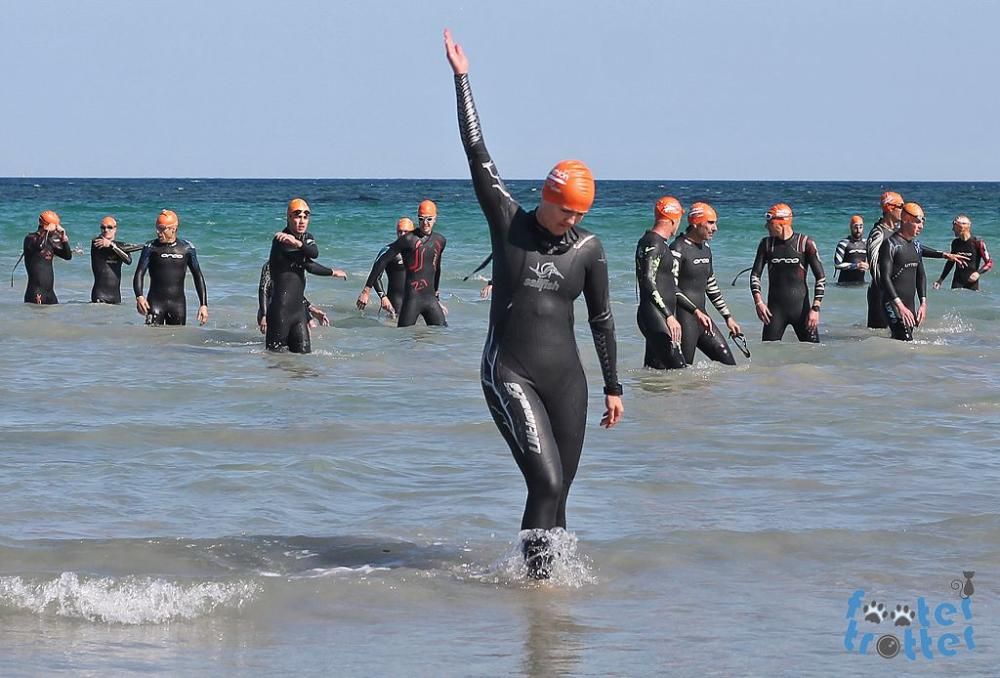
<point x="741" y="342"/>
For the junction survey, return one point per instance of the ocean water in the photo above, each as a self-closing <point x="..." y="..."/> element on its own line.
<point x="179" y="501"/>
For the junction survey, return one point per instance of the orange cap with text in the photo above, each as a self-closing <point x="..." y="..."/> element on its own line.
<point x="570" y="184"/>
<point x="779" y="213"/>
<point x="700" y="213"/>
<point x="914" y="210"/>
<point x="858" y="219"/>
<point x="670" y="207"/>
<point x="109" y="221"/>
<point x="427" y="208"/>
<point x="167" y="218"/>
<point x="891" y="200"/>
<point x="48" y="217"/>
<point x="297" y="205"/>
<point x="405" y="224"/>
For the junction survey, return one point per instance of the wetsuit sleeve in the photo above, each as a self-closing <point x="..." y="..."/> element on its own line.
<point x="382" y="261"/>
<point x="649" y="264"/>
<point x="930" y="252"/>
<point x="885" y="271"/>
<point x="310" y="250"/>
<point x="758" y="269"/>
<point x="140" y="271"/>
<point x="838" y="257"/>
<point x="437" y="273"/>
<point x="984" y="254"/>
<point x="316" y="268"/>
<point x="263" y="291"/>
<point x="602" y="323"/>
<point x="131" y="247"/>
<point x="812" y="257"/>
<point x="494" y="199"/>
<point x="199" y="279"/>
<point x="122" y="254"/>
<point x="921" y="281"/>
<point x="29" y="245"/>
<point x="64" y="251"/>
<point x="714" y="294"/>
<point x="377" y="282"/>
<point x="948" y="264"/>
<point x="873" y="246"/>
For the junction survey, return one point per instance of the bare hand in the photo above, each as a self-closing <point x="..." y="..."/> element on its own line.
<point x="337" y="273"/>
<point x="456" y="55"/>
<point x="142" y="306"/>
<point x="613" y="411"/>
<point x="734" y="327"/>
<point x="862" y="265"/>
<point x="703" y="320"/>
<point x="102" y="242"/>
<point x="674" y="329"/>
<point x="262" y="324"/>
<point x="974" y="276"/>
<point x="387" y="306"/>
<point x="961" y="260"/>
<point x="202" y="315"/>
<point x="812" y="320"/>
<point x="444" y="309"/>
<point x="936" y="285"/>
<point x="287" y="239"/>
<point x="922" y="312"/>
<point x="905" y="314"/>
<point x="763" y="312"/>
<point x="486" y="291"/>
<point x="320" y="315"/>
<point x="363" y="299"/>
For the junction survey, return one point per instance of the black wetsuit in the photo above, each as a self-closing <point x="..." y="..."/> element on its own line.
<point x="39" y="249"/>
<point x="787" y="292"/>
<point x="168" y="266"/>
<point x="850" y="252"/>
<point x="901" y="275"/>
<point x="287" y="325"/>
<point x="531" y="372"/>
<point x="106" y="263"/>
<point x="656" y="277"/>
<point x="421" y="256"/>
<point x="979" y="262"/>
<point x="880" y="232"/>
<point x="695" y="279"/>
<point x="395" y="270"/>
<point x="264" y="288"/>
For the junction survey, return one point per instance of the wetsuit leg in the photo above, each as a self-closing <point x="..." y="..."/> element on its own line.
<point x="433" y="314"/>
<point x="898" y="329"/>
<point x="397" y="302"/>
<point x="661" y="352"/>
<point x="298" y="338"/>
<point x="408" y="314"/>
<point x="876" y="309"/>
<point x="774" y="330"/>
<point x="801" y="326"/>
<point x="690" y="331"/>
<point x="715" y="346"/>
<point x="40" y="296"/>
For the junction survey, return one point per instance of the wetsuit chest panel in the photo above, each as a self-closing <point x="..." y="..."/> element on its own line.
<point x="421" y="257"/>
<point x="694" y="270"/>
<point x="786" y="266"/>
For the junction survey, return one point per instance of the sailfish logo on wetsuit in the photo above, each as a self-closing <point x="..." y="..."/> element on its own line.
<point x="544" y="271"/>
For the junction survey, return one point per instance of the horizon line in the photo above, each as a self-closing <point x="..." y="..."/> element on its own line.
<point x="262" y="178"/>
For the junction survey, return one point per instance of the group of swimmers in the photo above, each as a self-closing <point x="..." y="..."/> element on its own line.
<point x="543" y="260"/>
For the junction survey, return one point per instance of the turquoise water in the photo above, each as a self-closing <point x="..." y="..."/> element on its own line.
<point x="179" y="500"/>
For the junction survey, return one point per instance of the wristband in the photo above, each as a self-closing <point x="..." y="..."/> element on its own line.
<point x="815" y="308"/>
<point x="615" y="390"/>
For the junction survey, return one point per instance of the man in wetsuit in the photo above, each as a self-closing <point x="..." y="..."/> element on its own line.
<point x="50" y="240"/>
<point x="975" y="248"/>
<point x="106" y="258"/>
<point x="888" y="223"/>
<point x="421" y="253"/>
<point x="395" y="270"/>
<point x="851" y="257"/>
<point x="168" y="259"/>
<point x="531" y="373"/>
<point x="696" y="280"/>
<point x="787" y="255"/>
<point x="315" y="316"/>
<point x="656" y="277"/>
<point x="293" y="251"/>
<point x="901" y="274"/>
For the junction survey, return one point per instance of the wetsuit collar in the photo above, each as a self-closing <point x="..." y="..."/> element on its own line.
<point x="552" y="244"/>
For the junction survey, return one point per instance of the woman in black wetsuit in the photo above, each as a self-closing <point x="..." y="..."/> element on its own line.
<point x="531" y="373"/>
<point x="50" y="240"/>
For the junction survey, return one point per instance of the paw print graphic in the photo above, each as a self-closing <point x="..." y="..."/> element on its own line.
<point x="903" y="615"/>
<point x="875" y="612"/>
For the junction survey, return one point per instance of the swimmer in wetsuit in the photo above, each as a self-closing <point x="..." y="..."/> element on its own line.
<point x="979" y="257"/>
<point x="50" y="240"/>
<point x="656" y="278"/>
<point x="851" y="257"/>
<point x="106" y="258"/>
<point x="901" y="274"/>
<point x="531" y="373"/>
<point x="787" y="255"/>
<point x="168" y="259"/>
<point x="421" y="253"/>
<point x="892" y="207"/>
<point x="696" y="280"/>
<point x="314" y="315"/>
<point x="292" y="253"/>
<point x="395" y="269"/>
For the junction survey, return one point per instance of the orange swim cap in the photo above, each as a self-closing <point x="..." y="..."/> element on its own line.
<point x="296" y="205"/>
<point x="891" y="200"/>
<point x="109" y="221"/>
<point x="405" y="224"/>
<point x="700" y="213"/>
<point x="427" y="208"/>
<point x="570" y="184"/>
<point x="914" y="210"/>
<point x="858" y="219"/>
<point x="670" y="207"/>
<point x="780" y="214"/>
<point x="167" y="218"/>
<point x="48" y="217"/>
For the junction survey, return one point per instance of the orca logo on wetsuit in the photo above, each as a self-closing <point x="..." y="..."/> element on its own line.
<point x="166" y="255"/>
<point x="544" y="271"/>
<point x="783" y="260"/>
<point x="700" y="261"/>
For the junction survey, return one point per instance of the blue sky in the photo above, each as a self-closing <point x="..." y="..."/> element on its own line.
<point x="878" y="90"/>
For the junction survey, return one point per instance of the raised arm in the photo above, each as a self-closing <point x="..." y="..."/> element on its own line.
<point x="494" y="199"/>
